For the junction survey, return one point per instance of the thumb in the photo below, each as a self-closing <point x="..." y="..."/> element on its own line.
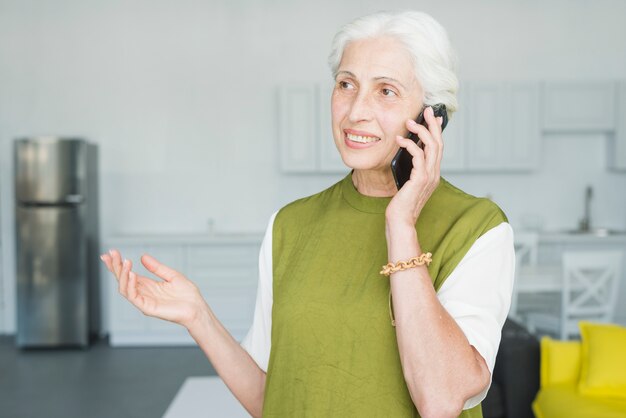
<point x="161" y="270"/>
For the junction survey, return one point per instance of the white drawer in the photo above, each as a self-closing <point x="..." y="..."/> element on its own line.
<point x="224" y="277"/>
<point x="233" y="307"/>
<point x="222" y="255"/>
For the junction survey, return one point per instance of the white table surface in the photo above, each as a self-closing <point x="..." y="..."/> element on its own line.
<point x="205" y="397"/>
<point x="539" y="278"/>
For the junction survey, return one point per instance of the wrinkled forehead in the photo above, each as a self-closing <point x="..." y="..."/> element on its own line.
<point x="378" y="57"/>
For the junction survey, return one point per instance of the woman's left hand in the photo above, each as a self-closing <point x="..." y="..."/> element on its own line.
<point x="407" y="204"/>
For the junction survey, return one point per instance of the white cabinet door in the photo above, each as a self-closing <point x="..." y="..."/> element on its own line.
<point x="227" y="276"/>
<point x="503" y="127"/>
<point x="298" y="108"/>
<point x="486" y="126"/>
<point x="225" y="272"/>
<point x="618" y="141"/>
<point x="330" y="159"/>
<point x="579" y="106"/>
<point x="523" y="133"/>
<point x="123" y="316"/>
<point x="234" y="307"/>
<point x="218" y="266"/>
<point x="454" y="139"/>
<point x="306" y="137"/>
<point x="172" y="256"/>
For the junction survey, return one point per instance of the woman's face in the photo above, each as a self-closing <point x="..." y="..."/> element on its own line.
<point x="375" y="93"/>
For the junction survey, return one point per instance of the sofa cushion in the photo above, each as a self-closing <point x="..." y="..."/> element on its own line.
<point x="560" y="362"/>
<point x="493" y="404"/>
<point x="517" y="370"/>
<point x="603" y="365"/>
<point x="564" y="401"/>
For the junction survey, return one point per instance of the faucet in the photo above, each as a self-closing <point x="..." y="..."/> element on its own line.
<point x="585" y="223"/>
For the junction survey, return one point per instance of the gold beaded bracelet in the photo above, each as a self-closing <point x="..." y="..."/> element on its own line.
<point x="420" y="260"/>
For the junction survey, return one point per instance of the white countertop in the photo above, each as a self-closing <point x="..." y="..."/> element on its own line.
<point x="200" y="239"/>
<point x="547" y="237"/>
<point x="564" y="237"/>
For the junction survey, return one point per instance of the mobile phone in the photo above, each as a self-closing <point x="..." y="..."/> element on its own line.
<point x="402" y="163"/>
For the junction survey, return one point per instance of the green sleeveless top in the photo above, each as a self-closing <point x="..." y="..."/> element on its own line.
<point x="334" y="352"/>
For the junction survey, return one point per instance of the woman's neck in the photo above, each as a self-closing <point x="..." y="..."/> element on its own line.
<point x="374" y="183"/>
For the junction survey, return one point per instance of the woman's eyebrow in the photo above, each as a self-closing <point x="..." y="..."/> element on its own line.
<point x="381" y="78"/>
<point x="393" y="80"/>
<point x="348" y="73"/>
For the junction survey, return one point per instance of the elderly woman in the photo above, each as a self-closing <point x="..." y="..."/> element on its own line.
<point x="331" y="336"/>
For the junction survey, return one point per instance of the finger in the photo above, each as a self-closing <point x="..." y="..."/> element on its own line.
<point x="123" y="287"/>
<point x="132" y="287"/>
<point x="431" y="146"/>
<point x="434" y="127"/>
<point x="106" y="259"/>
<point x="433" y="124"/>
<point x="145" y="285"/>
<point x="440" y="119"/>
<point x="440" y="140"/>
<point x="431" y="151"/>
<point x="139" y="290"/>
<point x="416" y="152"/>
<point x="410" y="146"/>
<point x="116" y="262"/>
<point x="161" y="270"/>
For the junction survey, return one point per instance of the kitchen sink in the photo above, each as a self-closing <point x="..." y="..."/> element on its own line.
<point x="596" y="232"/>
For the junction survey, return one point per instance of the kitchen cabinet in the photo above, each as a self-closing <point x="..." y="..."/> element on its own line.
<point x="329" y="158"/>
<point x="223" y="267"/>
<point x="523" y="102"/>
<point x="454" y="137"/>
<point x="500" y="130"/>
<point x="306" y="138"/>
<point x="617" y="147"/>
<point x="579" y="106"/>
<point x="485" y="127"/>
<point x="298" y="115"/>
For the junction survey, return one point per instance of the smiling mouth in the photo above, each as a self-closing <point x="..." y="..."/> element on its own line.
<point x="362" y="139"/>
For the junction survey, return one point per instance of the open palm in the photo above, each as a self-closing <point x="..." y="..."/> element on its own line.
<point x="175" y="298"/>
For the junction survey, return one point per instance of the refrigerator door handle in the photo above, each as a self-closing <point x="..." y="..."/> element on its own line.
<point x="74" y="198"/>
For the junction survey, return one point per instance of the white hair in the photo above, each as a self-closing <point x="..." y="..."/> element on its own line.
<point x="424" y="39"/>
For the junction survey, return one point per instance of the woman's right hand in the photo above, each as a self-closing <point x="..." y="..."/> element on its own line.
<point x="175" y="298"/>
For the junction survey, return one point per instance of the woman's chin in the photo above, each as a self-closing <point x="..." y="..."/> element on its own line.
<point x="365" y="163"/>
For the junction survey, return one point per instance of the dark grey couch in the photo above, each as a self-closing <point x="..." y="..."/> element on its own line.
<point x="515" y="379"/>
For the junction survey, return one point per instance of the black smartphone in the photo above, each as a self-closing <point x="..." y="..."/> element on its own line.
<point x="402" y="163"/>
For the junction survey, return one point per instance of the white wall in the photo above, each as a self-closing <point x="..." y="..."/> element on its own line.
<point x="181" y="98"/>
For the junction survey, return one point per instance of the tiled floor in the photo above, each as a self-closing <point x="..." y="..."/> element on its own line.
<point x="95" y="383"/>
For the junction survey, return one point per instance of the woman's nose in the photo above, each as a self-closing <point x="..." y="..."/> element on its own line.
<point x="361" y="109"/>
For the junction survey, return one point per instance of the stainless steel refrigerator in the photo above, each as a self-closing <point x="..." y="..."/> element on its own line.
<point x="56" y="190"/>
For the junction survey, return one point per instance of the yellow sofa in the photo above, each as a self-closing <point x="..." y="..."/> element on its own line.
<point x="586" y="378"/>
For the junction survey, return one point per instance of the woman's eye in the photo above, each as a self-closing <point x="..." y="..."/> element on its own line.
<point x="345" y="85"/>
<point x="388" y="92"/>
